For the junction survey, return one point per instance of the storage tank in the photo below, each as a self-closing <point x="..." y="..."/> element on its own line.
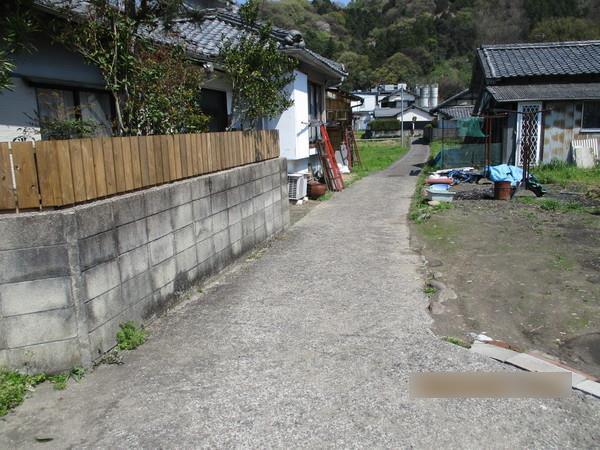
<point x="419" y="101"/>
<point x="433" y="102"/>
<point x="425" y="94"/>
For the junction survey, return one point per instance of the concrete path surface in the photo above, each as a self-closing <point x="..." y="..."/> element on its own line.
<point x="308" y="344"/>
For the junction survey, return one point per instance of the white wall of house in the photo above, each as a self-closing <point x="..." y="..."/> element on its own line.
<point x="292" y="125"/>
<point x="417" y="114"/>
<point x="368" y="105"/>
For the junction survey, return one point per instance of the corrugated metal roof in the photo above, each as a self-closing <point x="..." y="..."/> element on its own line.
<point x="457" y="112"/>
<point x="386" y="112"/>
<point x="542" y="59"/>
<point x="566" y="91"/>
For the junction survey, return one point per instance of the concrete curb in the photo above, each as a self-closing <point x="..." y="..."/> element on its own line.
<point x="533" y="363"/>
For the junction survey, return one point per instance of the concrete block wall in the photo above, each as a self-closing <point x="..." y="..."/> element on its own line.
<point x="68" y="278"/>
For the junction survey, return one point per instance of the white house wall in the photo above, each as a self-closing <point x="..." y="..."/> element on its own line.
<point x="415" y="113"/>
<point x="292" y="125"/>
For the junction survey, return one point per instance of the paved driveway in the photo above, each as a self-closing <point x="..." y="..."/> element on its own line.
<point x="308" y="345"/>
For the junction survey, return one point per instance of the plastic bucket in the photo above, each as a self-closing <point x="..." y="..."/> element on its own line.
<point x="502" y="190"/>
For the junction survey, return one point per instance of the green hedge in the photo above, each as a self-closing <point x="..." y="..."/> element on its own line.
<point x="384" y="125"/>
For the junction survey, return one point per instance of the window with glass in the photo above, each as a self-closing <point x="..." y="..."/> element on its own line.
<point x="591" y="116"/>
<point x="58" y="104"/>
<point x="315" y="109"/>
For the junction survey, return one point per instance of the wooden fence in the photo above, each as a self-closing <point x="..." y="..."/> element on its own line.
<point x="59" y="173"/>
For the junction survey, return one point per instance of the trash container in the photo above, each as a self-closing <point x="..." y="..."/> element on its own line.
<point x="502" y="190"/>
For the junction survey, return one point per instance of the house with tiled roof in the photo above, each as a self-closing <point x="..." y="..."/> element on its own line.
<point x="540" y="96"/>
<point x="52" y="78"/>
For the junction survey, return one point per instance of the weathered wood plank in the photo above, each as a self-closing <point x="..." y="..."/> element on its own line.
<point x="99" y="171"/>
<point x="158" y="159"/>
<point x="152" y="176"/>
<point x="48" y="173"/>
<point x="145" y="171"/>
<point x="194" y="151"/>
<point x="63" y="156"/>
<point x="125" y="145"/>
<point x="177" y="156"/>
<point x="87" y="156"/>
<point x="119" y="159"/>
<point x="136" y="165"/>
<point x="77" y="170"/>
<point x="7" y="195"/>
<point x="25" y="171"/>
<point x="167" y="142"/>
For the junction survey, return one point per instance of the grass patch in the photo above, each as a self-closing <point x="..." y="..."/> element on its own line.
<point x="326" y="196"/>
<point x="456" y="341"/>
<point x="559" y="172"/>
<point x="376" y="156"/>
<point x="13" y="388"/>
<point x="130" y="336"/>
<point x="553" y="205"/>
<point x="60" y="381"/>
<point x="430" y="290"/>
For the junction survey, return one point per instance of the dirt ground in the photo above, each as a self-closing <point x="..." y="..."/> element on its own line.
<point x="521" y="274"/>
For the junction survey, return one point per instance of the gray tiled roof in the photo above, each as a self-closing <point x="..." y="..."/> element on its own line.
<point x="457" y="112"/>
<point x="204" y="37"/>
<point x="543" y="59"/>
<point x="566" y="91"/>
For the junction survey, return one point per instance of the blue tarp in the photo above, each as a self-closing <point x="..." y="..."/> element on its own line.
<point x="504" y="172"/>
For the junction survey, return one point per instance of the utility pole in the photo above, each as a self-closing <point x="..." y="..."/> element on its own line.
<point x="402" y="115"/>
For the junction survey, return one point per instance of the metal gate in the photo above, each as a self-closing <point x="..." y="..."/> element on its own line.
<point x="529" y="130"/>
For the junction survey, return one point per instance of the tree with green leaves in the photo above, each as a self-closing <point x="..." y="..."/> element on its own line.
<point x="154" y="88"/>
<point x="17" y="24"/>
<point x="258" y="70"/>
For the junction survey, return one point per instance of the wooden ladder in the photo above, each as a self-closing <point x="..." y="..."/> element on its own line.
<point x="352" y="148"/>
<point x="331" y="171"/>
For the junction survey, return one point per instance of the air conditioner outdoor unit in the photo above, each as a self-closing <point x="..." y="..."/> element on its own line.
<point x="296" y="186"/>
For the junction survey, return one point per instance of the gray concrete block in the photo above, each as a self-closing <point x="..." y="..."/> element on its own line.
<point x="34" y="296"/>
<point x="244" y="175"/>
<point x="221" y="240"/>
<point x="235" y="214"/>
<point x="268" y="198"/>
<point x="207" y="267"/>
<point x="275" y="184"/>
<point x="159" y="225"/>
<point x="273" y="166"/>
<point x="133" y="263"/>
<point x="222" y="259"/>
<point x="186" y="260"/>
<point x="235" y="232"/>
<point x="50" y="357"/>
<point x="278" y="221"/>
<point x="260" y="235"/>
<point x="276" y="194"/>
<point x="104" y="307"/>
<point x="205" y="250"/>
<point x="31" y="230"/>
<point x="181" y="193"/>
<point x="218" y="202"/>
<point x="157" y="199"/>
<point x="217" y="182"/>
<point x="257" y="187"/>
<point x="248" y="242"/>
<point x="163" y="273"/>
<point x="220" y="221"/>
<point x="97" y="249"/>
<point x="131" y="235"/>
<point x="201" y="208"/>
<point x="246" y="191"/>
<point x="103" y="338"/>
<point x="182" y="216"/>
<point x="94" y="218"/>
<point x="267" y="183"/>
<point x="203" y="229"/>
<point x="200" y="187"/>
<point x="184" y="238"/>
<point x="248" y="226"/>
<point x="37" y="328"/>
<point x="128" y="208"/>
<point x="137" y="288"/>
<point x="236" y="248"/>
<point x="589" y="387"/>
<point x="284" y="191"/>
<point x="33" y="263"/>
<point x="259" y="219"/>
<point x="101" y="279"/>
<point x="258" y="203"/>
<point x="533" y="364"/>
<point x="269" y="220"/>
<point x="247" y="209"/>
<point x="161" y="249"/>
<point x="493" y="351"/>
<point x="233" y="197"/>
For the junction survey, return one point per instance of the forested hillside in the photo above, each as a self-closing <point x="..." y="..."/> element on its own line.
<point x="427" y="40"/>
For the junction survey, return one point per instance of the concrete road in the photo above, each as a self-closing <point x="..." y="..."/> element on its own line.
<point x="309" y="344"/>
